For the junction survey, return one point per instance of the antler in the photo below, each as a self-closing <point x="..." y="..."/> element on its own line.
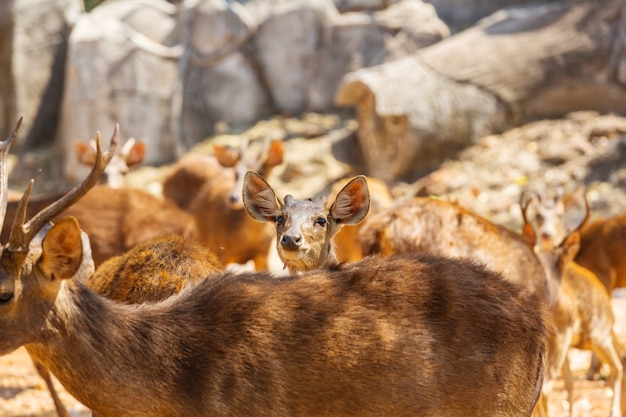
<point x="5" y="146"/>
<point x="22" y="233"/>
<point x="528" y="231"/>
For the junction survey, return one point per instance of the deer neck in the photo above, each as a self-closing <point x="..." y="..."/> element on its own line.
<point x="97" y="348"/>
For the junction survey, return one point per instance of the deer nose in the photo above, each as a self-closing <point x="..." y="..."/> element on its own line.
<point x="234" y="198"/>
<point x="291" y="242"/>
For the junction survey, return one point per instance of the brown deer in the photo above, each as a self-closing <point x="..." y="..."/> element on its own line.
<point x="382" y="336"/>
<point x="86" y="266"/>
<point x="305" y="228"/>
<point x="430" y="225"/>
<point x="346" y="241"/>
<point x="602" y="243"/>
<point x="220" y="221"/>
<point x="130" y="156"/>
<point x="153" y="270"/>
<point x="582" y="312"/>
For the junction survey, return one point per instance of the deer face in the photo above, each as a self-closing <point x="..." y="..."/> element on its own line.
<point x="242" y="161"/>
<point x="305" y="228"/>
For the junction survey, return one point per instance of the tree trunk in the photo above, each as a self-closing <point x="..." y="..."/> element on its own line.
<point x="512" y="67"/>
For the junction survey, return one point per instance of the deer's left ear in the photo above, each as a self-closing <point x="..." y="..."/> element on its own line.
<point x="352" y="203"/>
<point x="62" y="250"/>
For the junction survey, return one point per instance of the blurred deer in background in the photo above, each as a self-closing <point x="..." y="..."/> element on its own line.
<point x="582" y="313"/>
<point x="130" y="155"/>
<point x="255" y="345"/>
<point x="221" y="223"/>
<point x="602" y="248"/>
<point x="305" y="228"/>
<point x="346" y="241"/>
<point x="116" y="219"/>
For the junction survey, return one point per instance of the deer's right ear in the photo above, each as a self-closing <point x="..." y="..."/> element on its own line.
<point x="62" y="250"/>
<point x="259" y="198"/>
<point x="84" y="153"/>
<point x="228" y="158"/>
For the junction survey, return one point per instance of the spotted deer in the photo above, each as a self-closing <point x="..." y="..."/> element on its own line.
<point x="305" y="228"/>
<point x="382" y="336"/>
<point x="129" y="156"/>
<point x="582" y="312"/>
<point x="213" y="198"/>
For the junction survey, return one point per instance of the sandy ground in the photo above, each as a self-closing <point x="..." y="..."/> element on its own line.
<point x="24" y="394"/>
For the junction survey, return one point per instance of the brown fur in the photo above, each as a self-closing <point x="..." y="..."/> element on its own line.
<point x="602" y="244"/>
<point x="446" y="228"/>
<point x="116" y="220"/>
<point x="185" y="178"/>
<point x="153" y="270"/>
<point x="383" y="336"/>
<point x="220" y="219"/>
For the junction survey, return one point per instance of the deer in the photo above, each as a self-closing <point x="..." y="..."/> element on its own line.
<point x="153" y="270"/>
<point x="425" y="224"/>
<point x="380" y="336"/>
<point x="130" y="156"/>
<point x="220" y="221"/>
<point x="346" y="241"/>
<point x="305" y="228"/>
<point x="601" y="243"/>
<point x="582" y="312"/>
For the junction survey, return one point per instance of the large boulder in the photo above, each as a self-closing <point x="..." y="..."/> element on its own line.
<point x="33" y="40"/>
<point x="357" y="40"/>
<point x="121" y="68"/>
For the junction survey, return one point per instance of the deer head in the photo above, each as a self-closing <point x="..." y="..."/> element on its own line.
<point x="129" y="156"/>
<point x="305" y="228"/>
<point x="61" y="254"/>
<point x="242" y="161"/>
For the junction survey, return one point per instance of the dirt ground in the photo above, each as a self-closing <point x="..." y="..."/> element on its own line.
<point x="24" y="394"/>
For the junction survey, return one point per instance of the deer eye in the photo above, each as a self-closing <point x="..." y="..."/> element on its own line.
<point x="279" y="219"/>
<point x="320" y="221"/>
<point x="6" y="297"/>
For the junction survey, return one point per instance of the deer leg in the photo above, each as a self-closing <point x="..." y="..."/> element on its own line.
<point x="568" y="379"/>
<point x="45" y="374"/>
<point x="608" y="354"/>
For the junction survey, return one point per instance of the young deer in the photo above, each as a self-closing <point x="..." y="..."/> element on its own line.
<point x="582" y="312"/>
<point x="220" y="222"/>
<point x="383" y="336"/>
<point x="129" y="156"/>
<point x="305" y="228"/>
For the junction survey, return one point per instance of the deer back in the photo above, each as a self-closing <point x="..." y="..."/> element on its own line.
<point x="602" y="243"/>
<point x="442" y="227"/>
<point x="153" y="270"/>
<point x="116" y="219"/>
<point x="255" y="345"/>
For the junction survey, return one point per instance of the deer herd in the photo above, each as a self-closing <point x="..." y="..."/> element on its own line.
<point x="356" y="304"/>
